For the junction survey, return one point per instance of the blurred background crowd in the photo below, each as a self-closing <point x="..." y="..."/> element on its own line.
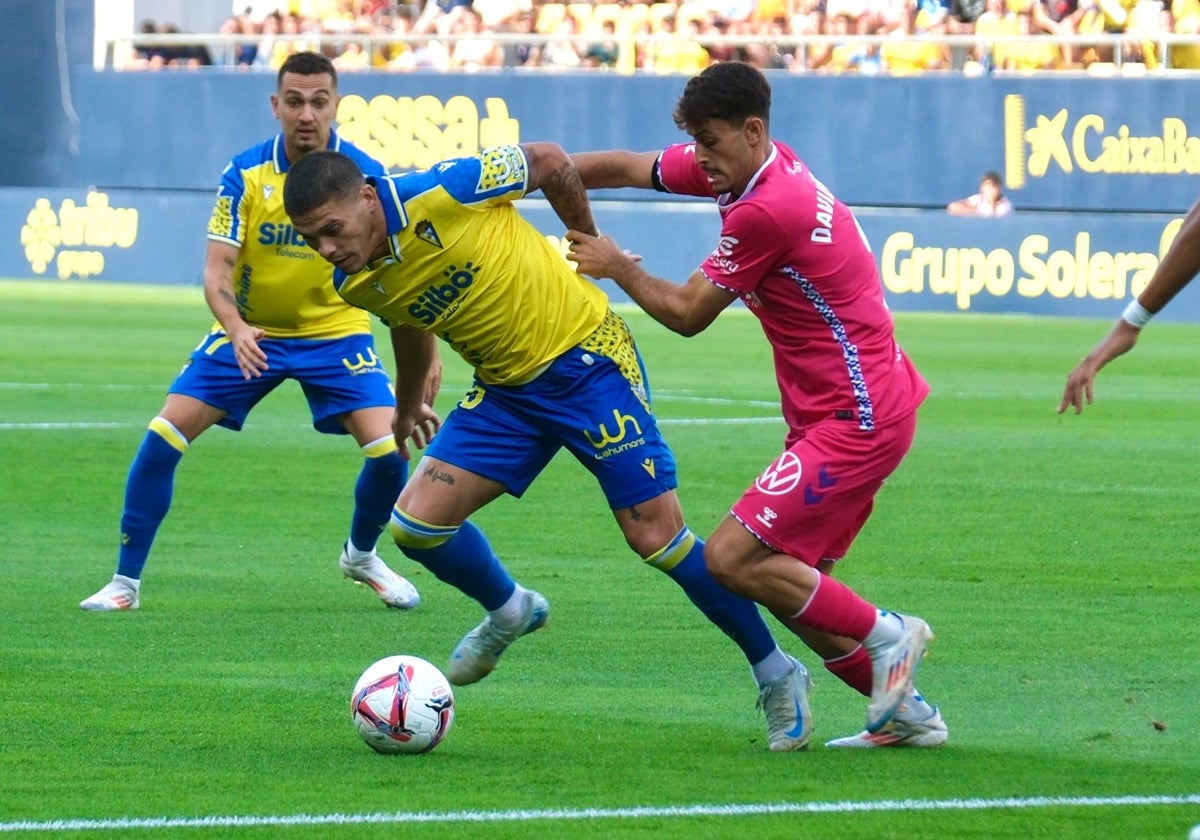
<point x="684" y="36"/>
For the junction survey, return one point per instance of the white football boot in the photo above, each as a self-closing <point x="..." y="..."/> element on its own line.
<point x="785" y="704"/>
<point x="120" y="593"/>
<point x="478" y="653"/>
<point x="393" y="590"/>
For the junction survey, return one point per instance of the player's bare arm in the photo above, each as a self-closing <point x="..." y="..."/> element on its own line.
<point x="1179" y="266"/>
<point x="552" y="172"/>
<point x="686" y="308"/>
<point x="416" y="358"/>
<point x="616" y="168"/>
<point x="219" y="260"/>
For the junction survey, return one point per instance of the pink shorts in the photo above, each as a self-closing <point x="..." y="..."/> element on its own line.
<point x="812" y="501"/>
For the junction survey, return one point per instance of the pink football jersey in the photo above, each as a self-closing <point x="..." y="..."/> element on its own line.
<point x="800" y="262"/>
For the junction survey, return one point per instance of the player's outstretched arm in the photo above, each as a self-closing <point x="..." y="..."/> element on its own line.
<point x="1179" y="266"/>
<point x="685" y="308"/>
<point x="552" y="172"/>
<point x="616" y="168"/>
<point x="219" y="260"/>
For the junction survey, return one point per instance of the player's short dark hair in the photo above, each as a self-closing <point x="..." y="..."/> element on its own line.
<point x="729" y="90"/>
<point x="993" y="177"/>
<point x="307" y="64"/>
<point x="317" y="178"/>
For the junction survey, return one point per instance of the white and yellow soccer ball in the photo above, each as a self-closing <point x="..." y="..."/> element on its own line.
<point x="402" y="704"/>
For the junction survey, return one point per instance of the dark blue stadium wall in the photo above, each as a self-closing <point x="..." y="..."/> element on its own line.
<point x="1061" y="143"/>
<point x="1100" y="170"/>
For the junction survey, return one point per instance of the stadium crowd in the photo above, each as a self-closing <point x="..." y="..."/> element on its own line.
<point x="684" y="36"/>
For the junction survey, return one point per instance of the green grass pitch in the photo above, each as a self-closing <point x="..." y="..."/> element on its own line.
<point x="1056" y="558"/>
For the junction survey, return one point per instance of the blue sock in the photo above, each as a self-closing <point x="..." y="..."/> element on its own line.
<point x="148" y="493"/>
<point x="465" y="561"/>
<point x="738" y="617"/>
<point x="379" y="485"/>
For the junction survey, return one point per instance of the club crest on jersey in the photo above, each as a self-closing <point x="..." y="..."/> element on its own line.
<point x="781" y="477"/>
<point x="425" y="231"/>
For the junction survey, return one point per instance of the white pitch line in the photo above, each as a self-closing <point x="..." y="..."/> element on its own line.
<point x="676" y="421"/>
<point x="409" y="817"/>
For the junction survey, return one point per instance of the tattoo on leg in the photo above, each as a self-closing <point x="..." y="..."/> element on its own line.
<point x="635" y="514"/>
<point x="434" y="475"/>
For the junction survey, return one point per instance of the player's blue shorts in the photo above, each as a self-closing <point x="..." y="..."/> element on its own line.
<point x="338" y="375"/>
<point x="587" y="401"/>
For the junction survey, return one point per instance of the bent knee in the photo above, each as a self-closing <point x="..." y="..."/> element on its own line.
<point x="722" y="562"/>
<point x="409" y="532"/>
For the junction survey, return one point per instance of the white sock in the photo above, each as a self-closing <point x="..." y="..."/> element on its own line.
<point x="510" y="613"/>
<point x="774" y="667"/>
<point x="915" y="708"/>
<point x="132" y="582"/>
<point x="355" y="553"/>
<point x="888" y="627"/>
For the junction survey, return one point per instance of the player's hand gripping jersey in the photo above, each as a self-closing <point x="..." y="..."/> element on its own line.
<point x="281" y="286"/>
<point x="799" y="260"/>
<point x="464" y="264"/>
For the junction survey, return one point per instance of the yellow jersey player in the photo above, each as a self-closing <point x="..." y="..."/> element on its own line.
<point x="445" y="253"/>
<point x="278" y="318"/>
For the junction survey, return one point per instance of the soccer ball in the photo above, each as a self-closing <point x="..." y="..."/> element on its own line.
<point x="402" y="704"/>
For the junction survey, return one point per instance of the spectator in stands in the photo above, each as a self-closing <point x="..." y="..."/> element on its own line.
<point x="604" y="52"/>
<point x="989" y="201"/>
<point x="438" y="15"/>
<point x="519" y="53"/>
<point x="676" y="52"/>
<point x="563" y="50"/>
<point x="473" y="50"/>
<point x="272" y="26"/>
<point x="237" y="54"/>
<point x="996" y="20"/>
<point x="1034" y="53"/>
<point x="849" y="56"/>
<point x="903" y="54"/>
<point x="1183" y="18"/>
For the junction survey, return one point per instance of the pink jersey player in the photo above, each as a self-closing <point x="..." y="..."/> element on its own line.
<point x="797" y="258"/>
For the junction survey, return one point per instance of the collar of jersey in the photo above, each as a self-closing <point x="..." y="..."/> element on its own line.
<point x="280" y="159"/>
<point x="393" y="212"/>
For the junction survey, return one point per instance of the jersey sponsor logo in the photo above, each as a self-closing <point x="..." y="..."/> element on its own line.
<point x="439" y="300"/>
<point x="363" y="364"/>
<point x="626" y="434"/>
<point x="425" y="231"/>
<point x="270" y="233"/>
<point x="782" y="476"/>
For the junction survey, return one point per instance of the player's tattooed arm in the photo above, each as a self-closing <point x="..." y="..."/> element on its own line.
<point x="552" y="171"/>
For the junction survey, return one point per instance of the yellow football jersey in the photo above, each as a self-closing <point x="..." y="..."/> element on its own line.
<point x="280" y="284"/>
<point x="464" y="264"/>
